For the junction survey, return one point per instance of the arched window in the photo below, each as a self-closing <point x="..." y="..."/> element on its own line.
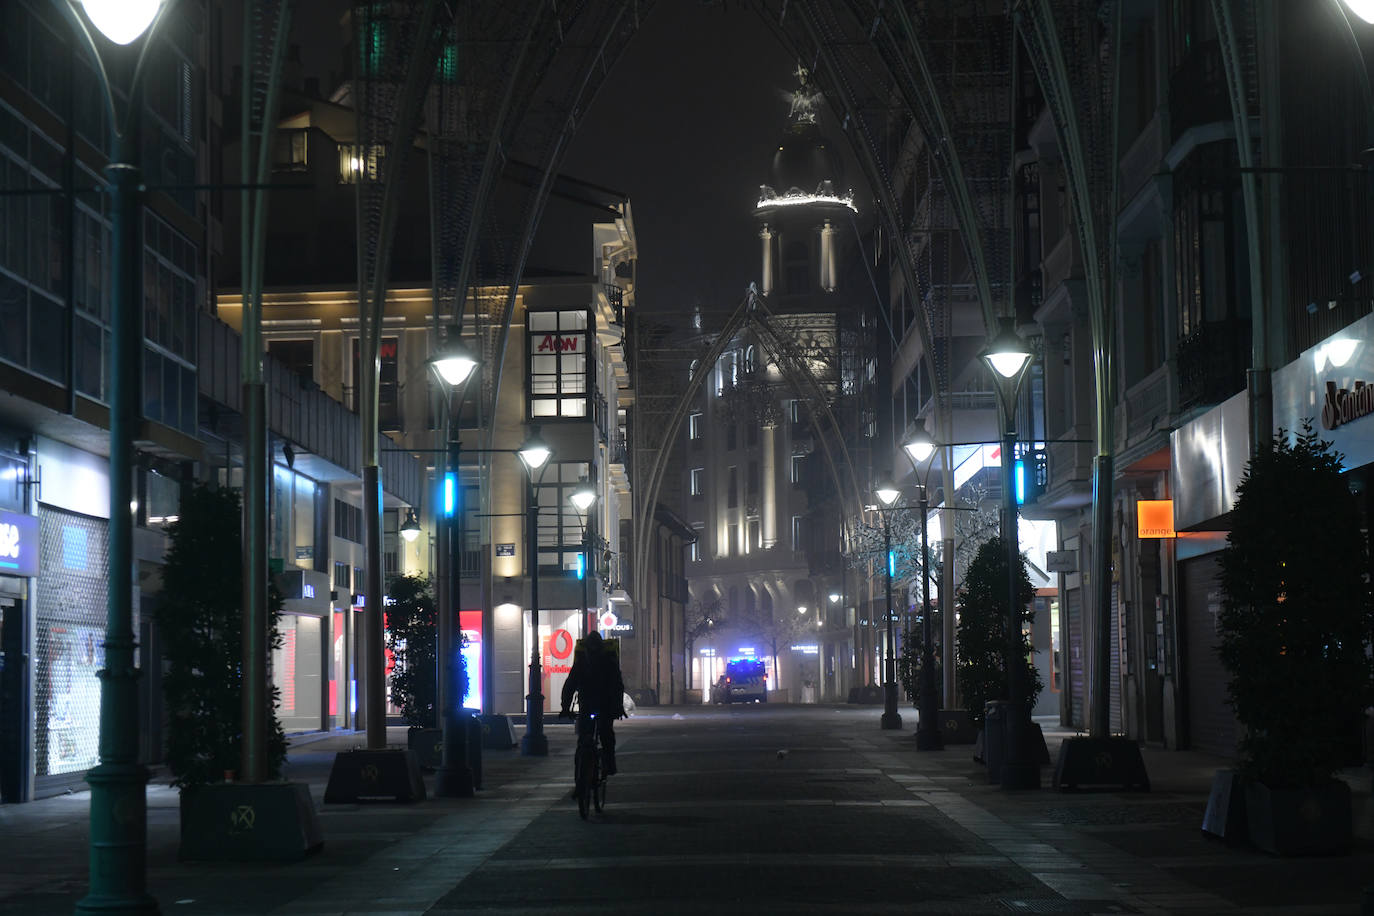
<point x="749" y="360"/>
<point x="692" y="372"/>
<point x="751" y="601"/>
<point x="734" y="599"/>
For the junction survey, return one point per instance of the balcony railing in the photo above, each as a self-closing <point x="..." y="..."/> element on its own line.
<point x="616" y="297"/>
<point x="1212" y="362"/>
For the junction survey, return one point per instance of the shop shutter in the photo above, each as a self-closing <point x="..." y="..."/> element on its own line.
<point x="1116" y="672"/>
<point x="1076" y="659"/>
<point x="69" y="636"/>
<point x="1211" y="724"/>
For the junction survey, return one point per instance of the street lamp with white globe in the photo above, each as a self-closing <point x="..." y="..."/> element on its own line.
<point x="920" y="448"/>
<point x="582" y="499"/>
<point x="887" y="495"/>
<point x="118" y="810"/>
<point x="1007" y="355"/>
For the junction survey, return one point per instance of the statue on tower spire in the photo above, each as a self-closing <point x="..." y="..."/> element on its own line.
<point x="805" y="99"/>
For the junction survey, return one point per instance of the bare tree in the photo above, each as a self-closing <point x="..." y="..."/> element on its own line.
<point x="702" y="616"/>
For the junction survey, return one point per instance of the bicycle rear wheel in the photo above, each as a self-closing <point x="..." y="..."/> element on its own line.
<point x="599" y="793"/>
<point x="585" y="780"/>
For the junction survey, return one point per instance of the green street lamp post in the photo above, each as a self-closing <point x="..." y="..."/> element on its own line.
<point x="534" y="743"/>
<point x="919" y="449"/>
<point x="452" y="367"/>
<point x="119" y="813"/>
<point x="887" y="495"/>
<point x="1008" y="357"/>
<point x="582" y="499"/>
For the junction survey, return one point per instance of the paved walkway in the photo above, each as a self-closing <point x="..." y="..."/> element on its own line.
<point x="722" y="811"/>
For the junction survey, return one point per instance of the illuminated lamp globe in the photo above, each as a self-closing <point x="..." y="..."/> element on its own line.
<point x="122" y="21"/>
<point x="455" y="364"/>
<point x="1362" y="8"/>
<point x="583" y="496"/>
<point x="534" y="453"/>
<point x="1007" y="354"/>
<point x="410" y="528"/>
<point x="920" y="446"/>
<point x="887" y="494"/>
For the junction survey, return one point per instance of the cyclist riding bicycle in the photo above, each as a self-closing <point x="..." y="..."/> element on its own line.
<point x="595" y="678"/>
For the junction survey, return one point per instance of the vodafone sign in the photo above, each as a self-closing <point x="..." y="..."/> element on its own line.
<point x="610" y="623"/>
<point x="558" y="652"/>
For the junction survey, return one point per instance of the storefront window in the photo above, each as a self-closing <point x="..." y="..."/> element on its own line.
<point x="293" y="517"/>
<point x="304" y="511"/>
<point x="557" y="346"/>
<point x="164" y="499"/>
<point x="296" y="667"/>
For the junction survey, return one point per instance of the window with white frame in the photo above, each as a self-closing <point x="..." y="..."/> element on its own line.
<point x="695" y="481"/>
<point x="728" y="370"/>
<point x="694" y="426"/>
<point x="749" y="360"/>
<point x="694" y="549"/>
<point x="557" y="345"/>
<point x="796" y="532"/>
<point x="798" y="468"/>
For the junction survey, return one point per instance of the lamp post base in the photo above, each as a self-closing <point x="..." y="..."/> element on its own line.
<point x="928" y="737"/>
<point x="891" y="718"/>
<point x="534" y="743"/>
<point x="1020" y="775"/>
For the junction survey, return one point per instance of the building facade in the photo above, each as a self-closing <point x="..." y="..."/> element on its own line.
<point x="777" y="436"/>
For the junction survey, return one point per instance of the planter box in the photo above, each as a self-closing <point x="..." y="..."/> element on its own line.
<point x="1299" y="822"/>
<point x="1085" y="761"/>
<point x="243" y="822"/>
<point x="367" y="774"/>
<point x="1225" y="814"/>
<point x="691" y="697"/>
<point x="428" y="746"/>
<point x="498" y="732"/>
<point x="955" y="728"/>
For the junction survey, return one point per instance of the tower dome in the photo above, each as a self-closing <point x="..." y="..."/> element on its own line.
<point x="805" y="161"/>
<point x="806" y="167"/>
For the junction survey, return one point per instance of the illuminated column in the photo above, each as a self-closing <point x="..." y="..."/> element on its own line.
<point x="828" y="257"/>
<point x="766" y="235"/>
<point x="770" y="493"/>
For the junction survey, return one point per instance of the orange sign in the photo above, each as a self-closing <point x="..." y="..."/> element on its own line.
<point x="1154" y="518"/>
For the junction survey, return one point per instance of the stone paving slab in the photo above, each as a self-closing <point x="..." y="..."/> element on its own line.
<point x="851" y="816"/>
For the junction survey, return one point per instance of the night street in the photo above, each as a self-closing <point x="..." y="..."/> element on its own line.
<point x="745" y="809"/>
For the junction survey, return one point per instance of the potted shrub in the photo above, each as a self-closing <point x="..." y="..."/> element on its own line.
<point x="982" y="642"/>
<point x="412" y="620"/>
<point x="200" y="624"/>
<point x="1294" y="627"/>
<point x="413" y="641"/>
<point x="982" y="631"/>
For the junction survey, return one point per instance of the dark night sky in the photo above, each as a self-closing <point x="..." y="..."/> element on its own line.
<point x="686" y="125"/>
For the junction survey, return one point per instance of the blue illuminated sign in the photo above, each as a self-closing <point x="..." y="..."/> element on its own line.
<point x="1018" y="471"/>
<point x="18" y="544"/>
<point x="450" y="494"/>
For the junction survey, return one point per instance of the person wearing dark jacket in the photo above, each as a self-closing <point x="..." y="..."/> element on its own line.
<point x="595" y="678"/>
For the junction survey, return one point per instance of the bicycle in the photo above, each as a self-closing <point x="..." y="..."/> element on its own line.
<point x="589" y="766"/>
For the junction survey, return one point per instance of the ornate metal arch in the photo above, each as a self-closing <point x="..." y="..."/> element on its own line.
<point x="751" y="313"/>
